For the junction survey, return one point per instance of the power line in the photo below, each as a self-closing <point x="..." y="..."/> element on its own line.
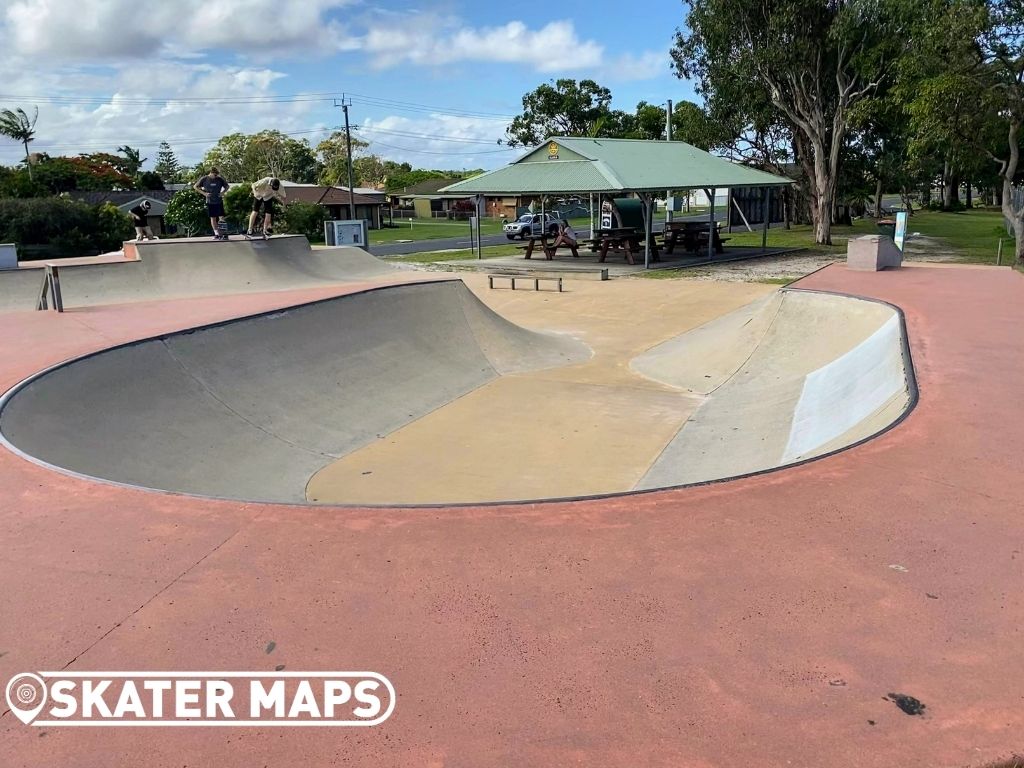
<point x="326" y="96"/>
<point x="147" y="143"/>
<point x="435" y="137"/>
<point x="378" y="143"/>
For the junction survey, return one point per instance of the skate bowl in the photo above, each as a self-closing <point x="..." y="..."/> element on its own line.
<point x="189" y="267"/>
<point x="785" y="379"/>
<point x="350" y="400"/>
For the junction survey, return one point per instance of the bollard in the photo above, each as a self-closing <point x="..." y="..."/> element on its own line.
<point x="999" y="253"/>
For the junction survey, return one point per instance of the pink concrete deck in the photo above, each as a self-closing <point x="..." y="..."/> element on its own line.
<point x="755" y="622"/>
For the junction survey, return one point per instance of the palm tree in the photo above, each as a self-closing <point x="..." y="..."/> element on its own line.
<point x="133" y="159"/>
<point x="16" y="125"/>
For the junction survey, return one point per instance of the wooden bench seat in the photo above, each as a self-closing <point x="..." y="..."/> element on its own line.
<point x="536" y="278"/>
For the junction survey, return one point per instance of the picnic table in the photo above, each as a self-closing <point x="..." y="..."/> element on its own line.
<point x="626" y="239"/>
<point x="547" y="245"/>
<point x="693" y="234"/>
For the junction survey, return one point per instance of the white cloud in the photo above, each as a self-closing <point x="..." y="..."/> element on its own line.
<point x="432" y="41"/>
<point x="116" y="29"/>
<point x="438" y="141"/>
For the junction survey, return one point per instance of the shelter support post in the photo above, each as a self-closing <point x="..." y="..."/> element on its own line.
<point x="711" y="222"/>
<point x="668" y="137"/>
<point x="591" y="215"/>
<point x="767" y="211"/>
<point x="648" y="200"/>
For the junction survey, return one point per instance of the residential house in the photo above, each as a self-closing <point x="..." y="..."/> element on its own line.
<point x="429" y="202"/>
<point x="125" y="201"/>
<point x="336" y="200"/>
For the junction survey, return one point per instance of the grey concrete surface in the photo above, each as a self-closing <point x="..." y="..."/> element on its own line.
<point x="784" y="379"/>
<point x="252" y="408"/>
<point x="198" y="267"/>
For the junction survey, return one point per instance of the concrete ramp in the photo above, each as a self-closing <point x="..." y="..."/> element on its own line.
<point x="785" y="379"/>
<point x="182" y="268"/>
<point x="252" y="408"/>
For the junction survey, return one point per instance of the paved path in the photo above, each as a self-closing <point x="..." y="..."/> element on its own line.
<point x="757" y="622"/>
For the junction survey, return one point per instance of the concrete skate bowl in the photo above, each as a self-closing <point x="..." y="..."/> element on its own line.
<point x="791" y="377"/>
<point x="174" y="269"/>
<point x="315" y="404"/>
<point x="250" y="409"/>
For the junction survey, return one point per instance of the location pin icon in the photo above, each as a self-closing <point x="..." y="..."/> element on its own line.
<point x="26" y="695"/>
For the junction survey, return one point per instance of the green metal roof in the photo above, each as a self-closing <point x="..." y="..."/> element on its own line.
<point x="613" y="165"/>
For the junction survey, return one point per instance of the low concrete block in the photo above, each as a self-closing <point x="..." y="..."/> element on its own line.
<point x="871" y="253"/>
<point x="8" y="256"/>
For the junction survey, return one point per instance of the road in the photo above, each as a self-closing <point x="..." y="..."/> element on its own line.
<point x="384" y="250"/>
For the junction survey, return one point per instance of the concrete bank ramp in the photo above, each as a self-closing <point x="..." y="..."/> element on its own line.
<point x="252" y="408"/>
<point x="793" y="376"/>
<point x="181" y="268"/>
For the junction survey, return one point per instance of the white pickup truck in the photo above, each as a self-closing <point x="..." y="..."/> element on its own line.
<point x="530" y="224"/>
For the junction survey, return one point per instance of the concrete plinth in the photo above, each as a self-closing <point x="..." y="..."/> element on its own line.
<point x="871" y="253"/>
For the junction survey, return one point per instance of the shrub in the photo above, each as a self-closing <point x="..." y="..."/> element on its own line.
<point x="238" y="205"/>
<point x="54" y="226"/>
<point x="187" y="209"/>
<point x="304" y="219"/>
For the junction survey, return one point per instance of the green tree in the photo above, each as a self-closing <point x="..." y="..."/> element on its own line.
<point x="368" y="171"/>
<point x="187" y="209"/>
<point x="815" y="62"/>
<point x="245" y="158"/>
<point x="150" y="180"/>
<point x="96" y="172"/>
<point x="17" y="183"/>
<point x="167" y="165"/>
<point x="562" y="108"/>
<point x="332" y="154"/>
<point x="133" y="160"/>
<point x="238" y="204"/>
<point x="17" y="125"/>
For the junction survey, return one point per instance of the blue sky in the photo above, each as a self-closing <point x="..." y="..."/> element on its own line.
<point x="433" y="84"/>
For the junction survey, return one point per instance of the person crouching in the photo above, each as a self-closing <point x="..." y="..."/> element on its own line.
<point x="266" y="194"/>
<point x="140" y="218"/>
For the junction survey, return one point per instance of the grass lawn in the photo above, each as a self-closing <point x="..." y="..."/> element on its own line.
<point x="430" y="229"/>
<point x="430" y="258"/>
<point x="973" y="235"/>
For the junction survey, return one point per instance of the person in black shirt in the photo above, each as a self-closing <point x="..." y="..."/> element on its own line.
<point x="140" y="217"/>
<point x="212" y="186"/>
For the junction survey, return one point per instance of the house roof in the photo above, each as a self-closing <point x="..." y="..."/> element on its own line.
<point x="572" y="164"/>
<point x="425" y="187"/>
<point x="126" y="200"/>
<point x="120" y="198"/>
<point x="326" y="196"/>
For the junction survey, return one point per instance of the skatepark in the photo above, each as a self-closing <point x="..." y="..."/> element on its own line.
<point x="655" y="522"/>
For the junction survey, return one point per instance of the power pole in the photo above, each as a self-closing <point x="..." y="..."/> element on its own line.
<point x="345" y="103"/>
<point x="668" y="137"/>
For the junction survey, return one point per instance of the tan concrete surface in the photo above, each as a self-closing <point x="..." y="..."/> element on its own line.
<point x="496" y="442"/>
<point x="749" y="421"/>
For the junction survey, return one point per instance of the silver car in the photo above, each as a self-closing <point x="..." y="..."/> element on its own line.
<point x="531" y="224"/>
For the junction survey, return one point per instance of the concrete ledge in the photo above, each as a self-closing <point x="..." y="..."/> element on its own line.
<point x="872" y="253"/>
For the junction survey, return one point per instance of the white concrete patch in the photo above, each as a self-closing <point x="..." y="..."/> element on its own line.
<point x="838" y="396"/>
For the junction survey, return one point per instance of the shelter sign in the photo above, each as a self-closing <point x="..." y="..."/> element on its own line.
<point x="901" y="229"/>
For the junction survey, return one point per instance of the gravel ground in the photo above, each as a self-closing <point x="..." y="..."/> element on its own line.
<point x="795" y="265"/>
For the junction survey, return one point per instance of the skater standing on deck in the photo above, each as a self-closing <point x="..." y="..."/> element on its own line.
<point x="212" y="186"/>
<point x="140" y="217"/>
<point x="266" y="193"/>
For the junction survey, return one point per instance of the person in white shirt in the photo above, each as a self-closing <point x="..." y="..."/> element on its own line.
<point x="566" y="234"/>
<point x="266" y="194"/>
